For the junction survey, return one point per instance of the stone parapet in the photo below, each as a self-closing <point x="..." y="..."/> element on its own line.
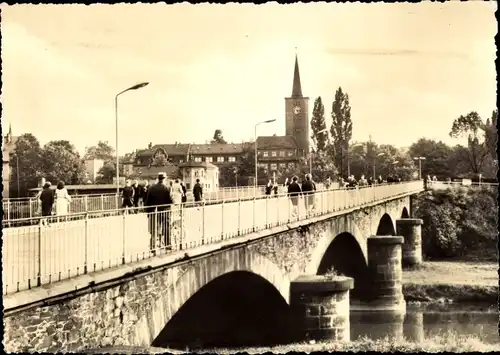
<point x="386" y="273"/>
<point x="411" y="230"/>
<point x="321" y="307"/>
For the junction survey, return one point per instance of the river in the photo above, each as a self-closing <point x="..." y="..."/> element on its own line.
<point x="421" y="322"/>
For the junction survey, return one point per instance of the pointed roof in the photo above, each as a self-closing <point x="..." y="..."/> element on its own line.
<point x="297" y="89"/>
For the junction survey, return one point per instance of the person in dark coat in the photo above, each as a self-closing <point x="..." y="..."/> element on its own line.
<point x="128" y="195"/>
<point x="294" y="191"/>
<point x="47" y="200"/>
<point x="269" y="187"/>
<point x="198" y="191"/>
<point x="308" y="188"/>
<point x="158" y="201"/>
<point x="137" y="194"/>
<point x="184" y="192"/>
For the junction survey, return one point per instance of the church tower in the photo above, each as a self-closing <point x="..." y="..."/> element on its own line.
<point x="297" y="114"/>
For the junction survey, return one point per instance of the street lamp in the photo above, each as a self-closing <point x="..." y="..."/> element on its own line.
<point x="310" y="154"/>
<point x="255" y="138"/>
<point x="374" y="163"/>
<point x="419" y="166"/>
<point x="135" y="87"/>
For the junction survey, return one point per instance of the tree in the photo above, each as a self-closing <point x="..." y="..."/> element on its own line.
<point x="108" y="172"/>
<point x="472" y="127"/>
<point x="101" y="151"/>
<point x="491" y="134"/>
<point x="320" y="140"/>
<point x="246" y="167"/>
<point x="438" y="157"/>
<point x="341" y="129"/>
<point x="218" y="138"/>
<point x="28" y="154"/>
<point x="323" y="166"/>
<point x="61" y="162"/>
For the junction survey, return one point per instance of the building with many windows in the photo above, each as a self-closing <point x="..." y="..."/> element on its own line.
<point x="274" y="152"/>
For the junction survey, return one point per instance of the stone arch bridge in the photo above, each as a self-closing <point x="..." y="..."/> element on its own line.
<point x="172" y="298"/>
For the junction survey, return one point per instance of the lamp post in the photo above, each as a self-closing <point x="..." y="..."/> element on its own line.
<point x="310" y="154"/>
<point x="255" y="138"/>
<point x="419" y="166"/>
<point x="374" y="164"/>
<point x="135" y="87"/>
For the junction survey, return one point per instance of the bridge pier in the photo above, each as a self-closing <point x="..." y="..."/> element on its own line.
<point x="411" y="230"/>
<point x="414" y="327"/>
<point x="385" y="273"/>
<point x="321" y="307"/>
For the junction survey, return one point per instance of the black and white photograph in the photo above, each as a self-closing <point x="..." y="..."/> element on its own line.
<point x="243" y="178"/>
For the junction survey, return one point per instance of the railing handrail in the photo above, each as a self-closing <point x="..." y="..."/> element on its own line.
<point x="84" y="214"/>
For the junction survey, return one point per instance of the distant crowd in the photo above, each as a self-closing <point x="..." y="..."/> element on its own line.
<point x="163" y="200"/>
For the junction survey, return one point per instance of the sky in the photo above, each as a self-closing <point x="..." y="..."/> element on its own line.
<point x="409" y="69"/>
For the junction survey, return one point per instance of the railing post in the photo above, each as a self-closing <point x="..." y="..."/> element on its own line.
<point x="102" y="203"/>
<point x="8" y="211"/>
<point x="86" y="203"/>
<point x="31" y="208"/>
<point x="39" y="255"/>
<point x="254" y="229"/>
<point x="203" y="224"/>
<point x="86" y="260"/>
<point x="267" y="211"/>
<point x="124" y="235"/>
<point x="239" y="217"/>
<point x="222" y="215"/>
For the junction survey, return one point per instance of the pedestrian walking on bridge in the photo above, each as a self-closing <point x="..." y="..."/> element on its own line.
<point x="158" y="202"/>
<point x="47" y="201"/>
<point x="294" y="191"/>
<point x="308" y="189"/>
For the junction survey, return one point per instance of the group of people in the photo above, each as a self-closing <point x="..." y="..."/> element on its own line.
<point x="162" y="203"/>
<point x="137" y="195"/>
<point x="351" y="181"/>
<point x="53" y="202"/>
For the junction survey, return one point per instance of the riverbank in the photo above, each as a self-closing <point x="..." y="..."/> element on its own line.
<point x="452" y="281"/>
<point x="448" y="342"/>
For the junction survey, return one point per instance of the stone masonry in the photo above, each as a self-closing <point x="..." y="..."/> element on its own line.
<point x="411" y="230"/>
<point x="321" y="307"/>
<point x="386" y="272"/>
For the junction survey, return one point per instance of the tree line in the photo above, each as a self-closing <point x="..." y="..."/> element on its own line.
<point x="333" y="154"/>
<point x="55" y="161"/>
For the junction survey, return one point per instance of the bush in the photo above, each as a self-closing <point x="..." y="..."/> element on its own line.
<point x="458" y="221"/>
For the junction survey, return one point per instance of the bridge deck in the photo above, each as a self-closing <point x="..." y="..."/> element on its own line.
<point x="39" y="254"/>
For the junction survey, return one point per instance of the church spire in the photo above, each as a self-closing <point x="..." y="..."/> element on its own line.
<point x="297" y="89"/>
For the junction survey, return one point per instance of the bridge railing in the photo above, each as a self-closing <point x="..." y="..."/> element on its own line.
<point x="63" y="247"/>
<point x="31" y="207"/>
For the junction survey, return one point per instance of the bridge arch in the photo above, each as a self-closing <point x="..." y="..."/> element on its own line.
<point x="346" y="257"/>
<point x="386" y="225"/>
<point x="405" y="213"/>
<point x="239" y="308"/>
<point x="195" y="276"/>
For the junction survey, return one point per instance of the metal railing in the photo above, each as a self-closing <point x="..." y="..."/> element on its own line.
<point x="31" y="207"/>
<point x="62" y="247"/>
<point x="441" y="185"/>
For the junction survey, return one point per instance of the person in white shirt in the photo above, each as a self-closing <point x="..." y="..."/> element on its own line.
<point x="63" y="199"/>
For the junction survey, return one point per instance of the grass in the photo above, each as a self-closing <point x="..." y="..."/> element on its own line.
<point x="450" y="342"/>
<point x="452" y="281"/>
